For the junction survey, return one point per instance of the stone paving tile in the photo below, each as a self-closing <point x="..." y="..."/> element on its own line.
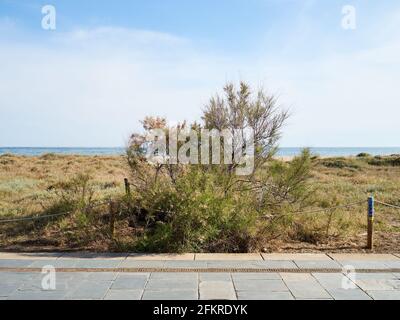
<point x="228" y="256"/>
<point x="174" y="275"/>
<point x="61" y="283"/>
<point x="123" y="295"/>
<point x="7" y="289"/>
<point x="76" y="263"/>
<point x="318" y="264"/>
<point x="377" y="284"/>
<point x="304" y="286"/>
<point x="276" y="264"/>
<point x="229" y="264"/>
<point x="59" y="263"/>
<point x="37" y="286"/>
<point x="185" y="264"/>
<point x="213" y="276"/>
<point x="385" y="294"/>
<point x="376" y="276"/>
<point x="141" y="264"/>
<point x="97" y="263"/>
<point x="260" y="285"/>
<point x="37" y="295"/>
<point x="251" y="295"/>
<point x="315" y="299"/>
<point x="349" y="294"/>
<point x="393" y="264"/>
<point x="161" y="257"/>
<point x="44" y="263"/>
<point x="363" y="257"/>
<point x="170" y="295"/>
<point x="217" y="290"/>
<point x="252" y="264"/>
<point x="296" y="256"/>
<point x="30" y="256"/>
<point x="340" y="287"/>
<point x="16" y="277"/>
<point x="255" y="276"/>
<point x="76" y="276"/>
<point x="363" y="264"/>
<point x="331" y="280"/>
<point x="101" y="276"/>
<point x="131" y="281"/>
<point x="89" y="290"/>
<point x="15" y="263"/>
<point x="171" y="284"/>
<point x="93" y="255"/>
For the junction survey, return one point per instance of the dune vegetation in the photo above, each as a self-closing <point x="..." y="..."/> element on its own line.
<point x="50" y="184"/>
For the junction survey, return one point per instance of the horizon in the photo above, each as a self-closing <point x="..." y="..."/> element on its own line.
<point x="108" y="65"/>
<point x="285" y="147"/>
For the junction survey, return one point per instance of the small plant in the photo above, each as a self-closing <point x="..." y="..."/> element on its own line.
<point x="75" y="194"/>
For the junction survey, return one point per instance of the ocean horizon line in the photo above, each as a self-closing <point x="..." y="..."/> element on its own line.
<point x="282" y="151"/>
<point x="282" y="147"/>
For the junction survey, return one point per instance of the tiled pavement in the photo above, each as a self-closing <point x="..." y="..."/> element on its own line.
<point x="295" y="278"/>
<point x="205" y="286"/>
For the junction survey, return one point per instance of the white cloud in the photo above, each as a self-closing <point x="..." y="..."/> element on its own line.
<point x="90" y="87"/>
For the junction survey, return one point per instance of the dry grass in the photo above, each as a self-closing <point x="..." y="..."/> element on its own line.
<point x="25" y="182"/>
<point x="339" y="181"/>
<point x="26" y="189"/>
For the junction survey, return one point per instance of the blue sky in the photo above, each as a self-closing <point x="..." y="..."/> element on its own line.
<point x="110" y="63"/>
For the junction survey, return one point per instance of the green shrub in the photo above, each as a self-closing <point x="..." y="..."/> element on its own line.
<point x="392" y="161"/>
<point x="363" y="155"/>
<point x="78" y="190"/>
<point x="197" y="215"/>
<point x="50" y="156"/>
<point x="340" y="163"/>
<point x="209" y="208"/>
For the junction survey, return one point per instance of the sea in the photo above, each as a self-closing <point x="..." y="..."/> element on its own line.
<point x="283" y="152"/>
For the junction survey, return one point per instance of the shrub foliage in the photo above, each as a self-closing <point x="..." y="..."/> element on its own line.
<point x="207" y="207"/>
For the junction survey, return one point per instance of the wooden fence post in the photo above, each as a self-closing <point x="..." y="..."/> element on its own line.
<point x="371" y="214"/>
<point x="112" y="219"/>
<point x="127" y="187"/>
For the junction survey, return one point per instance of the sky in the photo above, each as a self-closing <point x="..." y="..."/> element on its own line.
<point x="108" y="64"/>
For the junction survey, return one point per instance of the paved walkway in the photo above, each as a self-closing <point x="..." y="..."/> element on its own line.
<point x="200" y="276"/>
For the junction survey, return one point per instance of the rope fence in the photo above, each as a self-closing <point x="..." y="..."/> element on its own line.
<point x="387" y="205"/>
<point x="349" y="205"/>
<point x="52" y="215"/>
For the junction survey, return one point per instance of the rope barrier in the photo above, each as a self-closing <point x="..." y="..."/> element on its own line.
<point x="330" y="208"/>
<point x="51" y="215"/>
<point x="387" y="204"/>
<point x="107" y="202"/>
<point x="34" y="218"/>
